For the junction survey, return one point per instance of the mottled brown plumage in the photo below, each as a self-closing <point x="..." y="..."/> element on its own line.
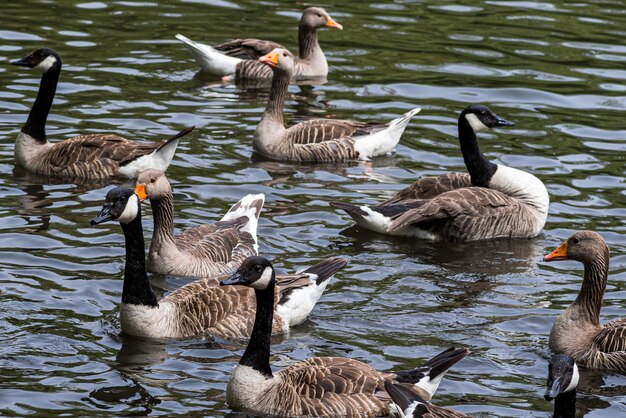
<point x="577" y="331"/>
<point x="429" y="187"/>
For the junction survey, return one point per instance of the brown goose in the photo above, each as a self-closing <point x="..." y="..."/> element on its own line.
<point x="410" y="404"/>
<point x="491" y="201"/>
<point x="85" y="156"/>
<point x="577" y="331"/>
<point x="240" y="56"/>
<point x="318" y="139"/>
<point x="203" y="250"/>
<point x="202" y="306"/>
<point x="318" y="386"/>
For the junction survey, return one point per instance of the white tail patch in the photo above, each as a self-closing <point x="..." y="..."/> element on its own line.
<point x="249" y="206"/>
<point x="209" y="59"/>
<point x="159" y="159"/>
<point x="301" y="302"/>
<point x="383" y="142"/>
<point x="430" y="384"/>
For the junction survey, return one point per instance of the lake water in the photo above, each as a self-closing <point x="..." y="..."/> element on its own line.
<point x="554" y="68"/>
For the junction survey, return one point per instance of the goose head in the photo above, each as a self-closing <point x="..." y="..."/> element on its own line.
<point x="562" y="376"/>
<point x="255" y="272"/>
<point x="279" y="59"/>
<point x="152" y="184"/>
<point x="42" y="59"/>
<point x="316" y="17"/>
<point x="480" y="118"/>
<point x="120" y="204"/>
<point x="583" y="246"/>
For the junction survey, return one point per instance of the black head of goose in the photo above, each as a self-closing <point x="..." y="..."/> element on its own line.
<point x="490" y="201"/>
<point x="201" y="307"/>
<point x="577" y="331"/>
<point x="561" y="385"/>
<point x="318" y="386"/>
<point x="239" y="56"/>
<point x="85" y="156"/>
<point x="202" y="250"/>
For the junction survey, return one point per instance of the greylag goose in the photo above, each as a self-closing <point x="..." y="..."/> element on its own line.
<point x="577" y="331"/>
<point x="240" y="56"/>
<point x="203" y="250"/>
<point x="318" y="139"/>
<point x="201" y="306"/>
<point x="410" y="404"/>
<point x="93" y="156"/>
<point x="319" y="386"/>
<point x="490" y="201"/>
<point x="561" y="385"/>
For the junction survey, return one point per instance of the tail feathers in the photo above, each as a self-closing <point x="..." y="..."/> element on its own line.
<point x="365" y="217"/>
<point x="326" y="269"/>
<point x="383" y="142"/>
<point x="404" y="119"/>
<point x="210" y="59"/>
<point x="402" y="396"/>
<point x="352" y="210"/>
<point x="179" y="135"/>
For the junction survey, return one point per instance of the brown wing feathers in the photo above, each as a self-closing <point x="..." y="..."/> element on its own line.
<point x="247" y="49"/>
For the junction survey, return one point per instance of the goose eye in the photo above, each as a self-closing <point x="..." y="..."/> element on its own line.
<point x="152" y="180"/>
<point x="575" y="240"/>
<point x="284" y="54"/>
<point x="258" y="268"/>
<point x="319" y="15"/>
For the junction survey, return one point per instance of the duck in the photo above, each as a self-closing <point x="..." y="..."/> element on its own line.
<point x="239" y="57"/>
<point x="562" y="381"/>
<point x="202" y="250"/>
<point x="202" y="306"/>
<point x="410" y="404"/>
<point x="489" y="201"/>
<point x="318" y="386"/>
<point x="577" y="332"/>
<point x="322" y="140"/>
<point x="92" y="156"/>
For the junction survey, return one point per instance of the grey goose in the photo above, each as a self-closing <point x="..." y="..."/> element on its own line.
<point x="322" y="140"/>
<point x="561" y="385"/>
<point x="319" y="386"/>
<point x="489" y="201"/>
<point x="202" y="250"/>
<point x="577" y="332"/>
<point x="202" y="306"/>
<point x="92" y="156"/>
<point x="239" y="57"/>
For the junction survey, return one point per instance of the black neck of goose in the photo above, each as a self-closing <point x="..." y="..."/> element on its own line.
<point x="137" y="289"/>
<point x="257" y="354"/>
<point x="35" y="125"/>
<point x="278" y="94"/>
<point x="589" y="300"/>
<point x="307" y="41"/>
<point x="565" y="405"/>
<point x="479" y="168"/>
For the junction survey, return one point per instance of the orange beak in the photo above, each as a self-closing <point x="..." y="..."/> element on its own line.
<point x="559" y="254"/>
<point x="330" y="23"/>
<point x="140" y="191"/>
<point x="270" y="59"/>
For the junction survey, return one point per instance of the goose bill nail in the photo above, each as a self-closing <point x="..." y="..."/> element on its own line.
<point x="559" y="254"/>
<point x="332" y="24"/>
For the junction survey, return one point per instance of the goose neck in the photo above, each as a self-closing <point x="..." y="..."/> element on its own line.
<point x="307" y="42"/>
<point x="137" y="289"/>
<point x="565" y="405"/>
<point x="257" y="354"/>
<point x="278" y="95"/>
<point x="479" y="168"/>
<point x="163" y="214"/>
<point x="35" y="125"/>
<point x="589" y="300"/>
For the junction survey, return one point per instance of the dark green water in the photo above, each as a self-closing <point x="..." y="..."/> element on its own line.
<point x="556" y="69"/>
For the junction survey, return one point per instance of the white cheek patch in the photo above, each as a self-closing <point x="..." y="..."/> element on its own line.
<point x="264" y="280"/>
<point x="46" y="64"/>
<point x="130" y="211"/>
<point x="476" y="123"/>
<point x="574" y="382"/>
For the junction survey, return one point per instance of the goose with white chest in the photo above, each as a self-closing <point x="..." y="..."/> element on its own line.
<point x="92" y="156"/>
<point x="490" y="201"/>
<point x="202" y="306"/>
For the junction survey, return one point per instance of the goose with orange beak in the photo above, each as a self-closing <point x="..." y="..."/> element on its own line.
<point x="577" y="332"/>
<point x="239" y="57"/>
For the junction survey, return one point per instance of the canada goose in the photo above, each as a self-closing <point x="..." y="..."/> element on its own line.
<point x="410" y="404"/>
<point x="85" y="156"/>
<point x="577" y="331"/>
<point x="201" y="306"/>
<point x="203" y="250"/>
<point x="318" y="386"/>
<point x="491" y="201"/>
<point x="318" y="139"/>
<point x="240" y="56"/>
<point x="561" y="385"/>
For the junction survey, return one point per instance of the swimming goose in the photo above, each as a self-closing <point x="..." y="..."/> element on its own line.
<point x="202" y="306"/>
<point x="240" y="56"/>
<point x="410" y="404"/>
<point x="318" y="386"/>
<point x="203" y="250"/>
<point x="561" y="385"/>
<point x="318" y="139"/>
<point x="86" y="156"/>
<point x="577" y="331"/>
<point x="490" y="201"/>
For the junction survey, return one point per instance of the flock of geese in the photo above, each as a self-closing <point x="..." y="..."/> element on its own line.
<point x="488" y="201"/>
